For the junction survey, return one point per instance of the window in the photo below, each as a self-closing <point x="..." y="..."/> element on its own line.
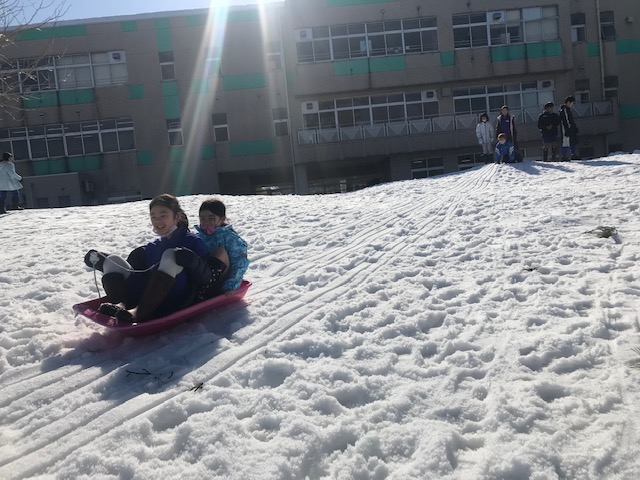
<point x="610" y="87"/>
<point x="220" y="127"/>
<point x="578" y="28"/>
<point x="213" y="61"/>
<point x="359" y="111"/>
<point x="490" y="98"/>
<point x="583" y="91"/>
<point x="167" y="67"/>
<point x="504" y="27"/>
<point x="359" y="40"/>
<point x="109" y="68"/>
<point x="63" y="73"/>
<point x="280" y="122"/>
<point x="427" y="167"/>
<point x="540" y="24"/>
<point x="174" y="129"/>
<point x="470" y="30"/>
<point x="607" y="26"/>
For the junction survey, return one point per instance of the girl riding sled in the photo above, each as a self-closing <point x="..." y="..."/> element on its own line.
<point x="160" y="277"/>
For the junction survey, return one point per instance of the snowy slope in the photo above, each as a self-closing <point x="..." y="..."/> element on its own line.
<point x="459" y="327"/>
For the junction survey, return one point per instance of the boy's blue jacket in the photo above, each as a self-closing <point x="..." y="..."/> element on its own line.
<point x="505" y="149"/>
<point x="227" y="238"/>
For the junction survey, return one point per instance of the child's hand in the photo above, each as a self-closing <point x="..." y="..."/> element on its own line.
<point x="228" y="293"/>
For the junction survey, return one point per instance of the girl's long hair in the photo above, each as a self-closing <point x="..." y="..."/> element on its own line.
<point x="169" y="201"/>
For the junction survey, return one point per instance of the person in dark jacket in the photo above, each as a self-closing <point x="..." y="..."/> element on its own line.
<point x="505" y="123"/>
<point x="548" y="123"/>
<point x="160" y="277"/>
<point x="569" y="130"/>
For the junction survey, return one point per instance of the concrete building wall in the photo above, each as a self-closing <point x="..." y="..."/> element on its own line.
<point x="253" y="75"/>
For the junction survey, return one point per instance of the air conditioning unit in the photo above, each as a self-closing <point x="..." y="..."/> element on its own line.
<point x="117" y="57"/>
<point x="310" y="107"/>
<point x="546" y="85"/>
<point x="498" y="16"/>
<point x="304" y="34"/>
<point x="429" y="95"/>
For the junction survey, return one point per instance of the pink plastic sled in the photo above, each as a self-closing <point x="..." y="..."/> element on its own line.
<point x="90" y="310"/>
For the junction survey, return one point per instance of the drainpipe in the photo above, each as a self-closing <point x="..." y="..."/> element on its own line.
<point x="286" y="96"/>
<point x="601" y="47"/>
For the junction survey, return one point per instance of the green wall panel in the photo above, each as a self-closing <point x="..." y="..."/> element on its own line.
<point x="75" y="97"/>
<point x="129" y="26"/>
<point x="169" y="88"/>
<point x="40" y="99"/>
<point x="526" y="50"/>
<point x="363" y="66"/>
<point x="255" y="147"/>
<point x="388" y="64"/>
<point x="176" y="154"/>
<point x="630" y="111"/>
<point x="544" y="49"/>
<point x="346" y="3"/>
<point x="171" y="107"/>
<point x="144" y="157"/>
<point x="163" y="23"/>
<point x="448" y="59"/>
<point x="208" y="152"/>
<point x="61" y="97"/>
<point x="593" y="49"/>
<point x="508" y="52"/>
<point x="243" y="82"/>
<point x="83" y="164"/>
<point x="51" y="166"/>
<point x="629" y="45"/>
<point x="351" y="67"/>
<point x="54" y="32"/>
<point x="163" y="35"/>
<point x="195" y="20"/>
<point x="136" y="90"/>
<point x="244" y="16"/>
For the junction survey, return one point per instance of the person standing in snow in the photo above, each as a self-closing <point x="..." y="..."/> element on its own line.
<point x="227" y="251"/>
<point x="569" y="130"/>
<point x="548" y="123"/>
<point x="505" y="123"/>
<point x="485" y="134"/>
<point x="9" y="183"/>
<point x="159" y="278"/>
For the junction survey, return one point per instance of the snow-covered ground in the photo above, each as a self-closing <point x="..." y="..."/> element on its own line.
<point x="460" y="327"/>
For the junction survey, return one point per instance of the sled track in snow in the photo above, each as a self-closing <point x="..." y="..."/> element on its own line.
<point x="77" y="423"/>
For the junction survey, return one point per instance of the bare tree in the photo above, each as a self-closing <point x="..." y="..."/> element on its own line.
<point x="16" y="18"/>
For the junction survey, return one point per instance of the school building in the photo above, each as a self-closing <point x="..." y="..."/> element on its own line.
<point x="305" y="96"/>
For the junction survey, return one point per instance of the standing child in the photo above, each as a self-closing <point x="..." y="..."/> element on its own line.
<point x="548" y="123"/>
<point x="569" y="130"/>
<point x="9" y="183"/>
<point x="227" y="250"/>
<point x="505" y="152"/>
<point x="485" y="135"/>
<point x="158" y="278"/>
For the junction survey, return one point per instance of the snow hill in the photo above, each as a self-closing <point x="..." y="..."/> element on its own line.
<point x="469" y="326"/>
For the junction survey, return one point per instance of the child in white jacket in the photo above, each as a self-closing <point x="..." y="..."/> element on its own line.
<point x="485" y="134"/>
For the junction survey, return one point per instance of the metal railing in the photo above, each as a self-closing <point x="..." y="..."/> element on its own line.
<point x="444" y="123"/>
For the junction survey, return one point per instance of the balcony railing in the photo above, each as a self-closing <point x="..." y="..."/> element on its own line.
<point x="445" y="123"/>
